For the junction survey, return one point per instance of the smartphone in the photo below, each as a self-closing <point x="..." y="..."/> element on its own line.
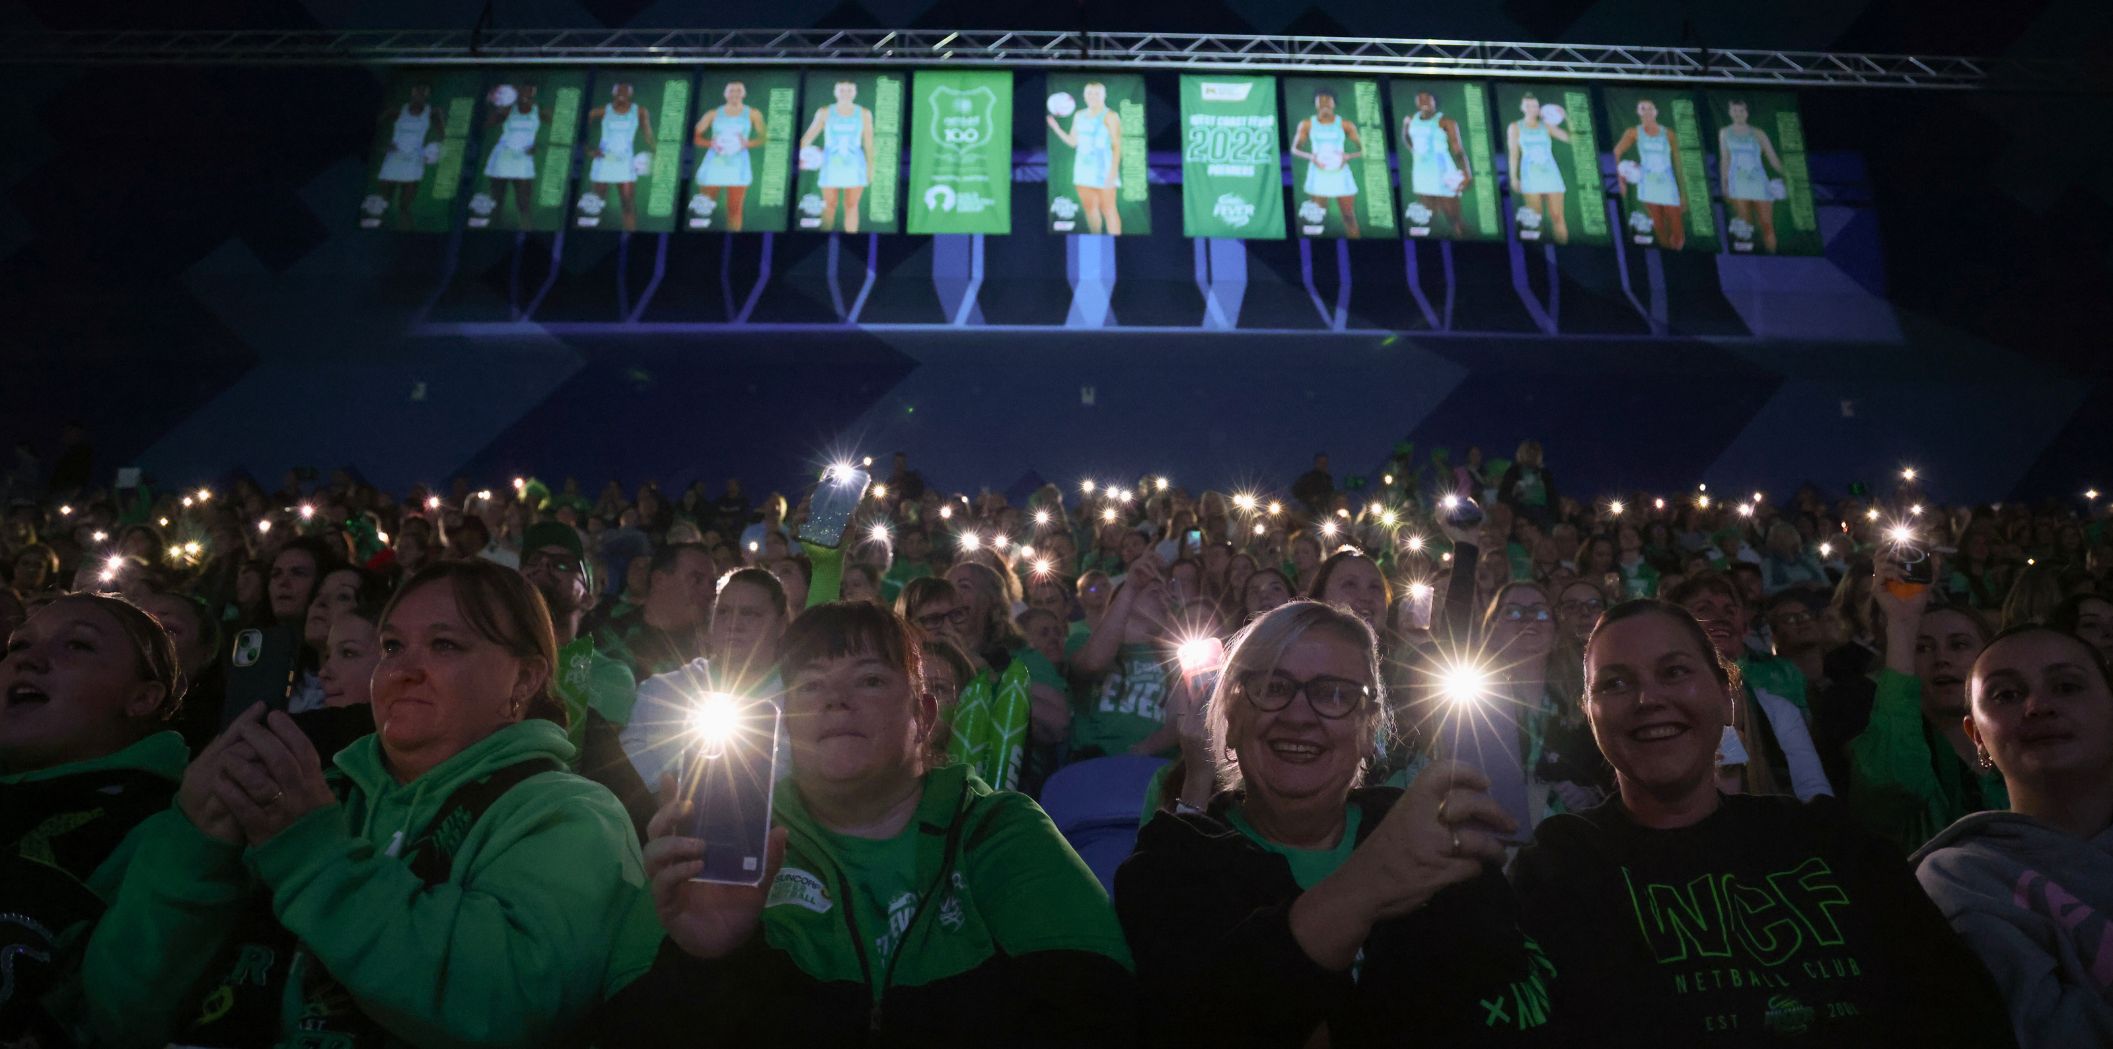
<point x="834" y="501"/>
<point x="1192" y="542"/>
<point x="1917" y="568"/>
<point x="260" y="669"/>
<point x="1461" y="511"/>
<point x="1421" y="596"/>
<point x="1484" y="733"/>
<point x="729" y="773"/>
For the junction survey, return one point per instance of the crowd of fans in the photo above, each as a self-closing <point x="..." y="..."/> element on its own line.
<point x="324" y="765"/>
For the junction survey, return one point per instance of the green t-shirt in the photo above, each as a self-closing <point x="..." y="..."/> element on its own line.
<point x="1076" y="639"/>
<point x="1128" y="705"/>
<point x="1308" y="866"/>
<point x="588" y="680"/>
<point x="883" y="889"/>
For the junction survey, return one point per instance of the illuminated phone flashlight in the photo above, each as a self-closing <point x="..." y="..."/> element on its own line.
<point x="307" y="511"/>
<point x="1387" y="479"/>
<point x="1041" y="517"/>
<point x="432" y="502"/>
<point x="164" y="522"/>
<point x="264" y="526"/>
<point x="1244" y="501"/>
<point x="484" y="494"/>
<point x="1386" y="517"/>
<point x="1199" y="654"/>
<point x="1086" y="486"/>
<point x="2091" y="494"/>
<point x="1127" y="495"/>
<point x="1915" y="510"/>
<point x="1907" y="473"/>
<point x="1745" y="509"/>
<point x="520" y="483"/>
<point x="1373" y="509"/>
<point x="946" y="513"/>
<point x="879" y="534"/>
<point x="381" y="537"/>
<point x="1871" y="514"/>
<point x="1260" y="529"/>
<point x="1415" y="544"/>
<point x="176" y="552"/>
<point x="1702" y="502"/>
<point x="1420" y="591"/>
<point x="1328" y="528"/>
<point x="1000" y="542"/>
<point x="1702" y="487"/>
<point x="1757" y="497"/>
<point x="1449" y="503"/>
<point x="1108" y="515"/>
<point x="187" y="500"/>
<point x="1042" y="566"/>
<point x="1026" y="551"/>
<point x="1658" y="504"/>
<point x="714" y="721"/>
<point x="65" y="510"/>
<point x="205" y="495"/>
<point x="193" y="547"/>
<point x="754" y="546"/>
<point x="970" y="540"/>
<point x="866" y="462"/>
<point x="1901" y="535"/>
<point x="101" y="536"/>
<point x="880" y="491"/>
<point x="1275" y="508"/>
<point x="1463" y="682"/>
<point x="1615" y="508"/>
<point x="114" y="564"/>
<point x="1159" y="484"/>
<point x="1826" y="549"/>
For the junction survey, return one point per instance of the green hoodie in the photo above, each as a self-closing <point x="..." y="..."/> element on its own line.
<point x="161" y="755"/>
<point x="545" y="908"/>
<point x="1905" y="782"/>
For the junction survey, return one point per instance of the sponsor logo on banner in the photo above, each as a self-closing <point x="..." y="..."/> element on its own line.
<point x="1234" y="210"/>
<point x="1219" y="91"/>
<point x="961" y="120"/>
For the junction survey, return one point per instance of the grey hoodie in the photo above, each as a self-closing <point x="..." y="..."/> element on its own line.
<point x="2037" y="905"/>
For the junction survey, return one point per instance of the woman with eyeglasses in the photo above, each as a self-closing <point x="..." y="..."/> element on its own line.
<point x="1297" y="908"/>
<point x="1521" y="638"/>
<point x="1677" y="915"/>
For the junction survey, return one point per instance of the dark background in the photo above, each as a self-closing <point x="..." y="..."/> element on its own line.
<point x="181" y="271"/>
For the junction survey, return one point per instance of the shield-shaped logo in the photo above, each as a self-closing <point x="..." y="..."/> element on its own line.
<point x="963" y="121"/>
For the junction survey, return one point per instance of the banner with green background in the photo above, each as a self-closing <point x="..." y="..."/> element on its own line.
<point x="530" y="122"/>
<point x="1554" y="162"/>
<point x="1762" y="172"/>
<point x="639" y="148"/>
<point x="1109" y="148"/>
<point x="1661" y="169"/>
<point x="741" y="157"/>
<point x="961" y="152"/>
<point x="836" y="161"/>
<point x="414" y="171"/>
<point x="1353" y="144"/>
<point x="1448" y="170"/>
<point x="1232" y="178"/>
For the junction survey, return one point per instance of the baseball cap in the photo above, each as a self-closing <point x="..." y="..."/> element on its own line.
<point x="559" y="534"/>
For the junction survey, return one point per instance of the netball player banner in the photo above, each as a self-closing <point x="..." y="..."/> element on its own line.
<point x="850" y="152"/>
<point x="1553" y="153"/>
<point x="531" y="122"/>
<point x="961" y="152"/>
<point x="420" y="143"/>
<point x="1338" y="145"/>
<point x="1097" y="170"/>
<point x="632" y="176"/>
<point x="1761" y="170"/>
<point x="743" y="131"/>
<point x="1232" y="180"/>
<point x="1449" y="178"/>
<point x="1658" y="157"/>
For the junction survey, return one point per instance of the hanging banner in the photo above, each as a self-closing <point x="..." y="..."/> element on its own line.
<point x="631" y="175"/>
<point x="850" y="152"/>
<point x="531" y="122"/>
<point x="1658" y="158"/>
<point x="1549" y="141"/>
<point x="961" y="152"/>
<point x="1232" y="178"/>
<point x="1097" y="160"/>
<point x="1448" y="174"/>
<point x="1762" y="172"/>
<point x="740" y="169"/>
<point x="414" y="172"/>
<point x="1337" y="138"/>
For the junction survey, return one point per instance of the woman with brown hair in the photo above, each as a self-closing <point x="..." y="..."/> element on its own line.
<point x="497" y="895"/>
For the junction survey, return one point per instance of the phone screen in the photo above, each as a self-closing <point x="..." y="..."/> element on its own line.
<point x="835" y="500"/>
<point x="1192" y="541"/>
<point x="729" y="773"/>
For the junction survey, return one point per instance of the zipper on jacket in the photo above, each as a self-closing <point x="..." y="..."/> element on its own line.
<point x="946" y="875"/>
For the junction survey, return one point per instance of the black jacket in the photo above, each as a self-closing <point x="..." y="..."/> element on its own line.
<point x="1208" y="914"/>
<point x="1767" y="923"/>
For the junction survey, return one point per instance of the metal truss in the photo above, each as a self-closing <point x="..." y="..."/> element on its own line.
<point x="1129" y="51"/>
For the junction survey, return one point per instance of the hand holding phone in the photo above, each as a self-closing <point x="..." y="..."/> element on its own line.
<point x="707" y="919"/>
<point x="1479" y="728"/>
<point x="834" y="501"/>
<point x="728" y="776"/>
